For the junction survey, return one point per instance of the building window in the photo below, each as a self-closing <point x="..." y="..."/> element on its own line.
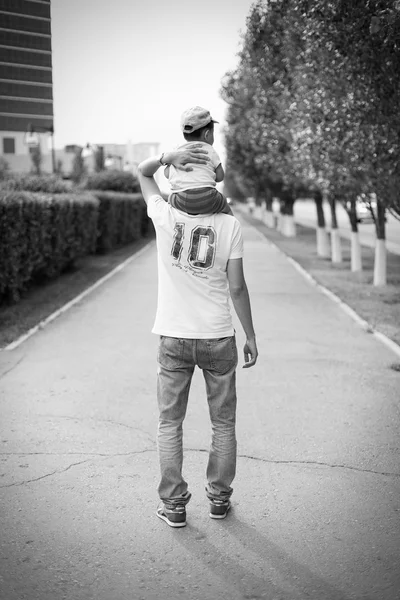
<point x="8" y="145"/>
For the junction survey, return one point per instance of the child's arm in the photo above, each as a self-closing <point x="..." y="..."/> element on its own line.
<point x="219" y="173"/>
<point x="219" y="176"/>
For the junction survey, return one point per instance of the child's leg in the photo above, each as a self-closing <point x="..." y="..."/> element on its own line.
<point x="221" y="205"/>
<point x="227" y="209"/>
<point x="200" y="201"/>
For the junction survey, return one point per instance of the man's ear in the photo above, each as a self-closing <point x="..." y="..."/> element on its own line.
<point x="206" y="134"/>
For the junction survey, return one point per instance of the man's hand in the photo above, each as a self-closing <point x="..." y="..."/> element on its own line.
<point x="182" y="157"/>
<point x="250" y="353"/>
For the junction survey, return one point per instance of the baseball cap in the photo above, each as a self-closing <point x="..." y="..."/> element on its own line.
<point x="194" y="118"/>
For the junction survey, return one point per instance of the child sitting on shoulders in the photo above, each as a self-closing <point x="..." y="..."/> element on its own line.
<point x="194" y="192"/>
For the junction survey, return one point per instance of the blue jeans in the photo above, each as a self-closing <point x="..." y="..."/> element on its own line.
<point x="177" y="359"/>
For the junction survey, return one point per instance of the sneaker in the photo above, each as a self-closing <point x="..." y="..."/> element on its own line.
<point x="219" y="508"/>
<point x="175" y="517"/>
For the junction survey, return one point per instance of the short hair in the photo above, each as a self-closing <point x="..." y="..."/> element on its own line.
<point x="197" y="134"/>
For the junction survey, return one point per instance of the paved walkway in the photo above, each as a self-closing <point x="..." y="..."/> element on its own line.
<point x="317" y="495"/>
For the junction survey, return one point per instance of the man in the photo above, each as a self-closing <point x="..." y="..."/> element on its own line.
<point x="199" y="267"/>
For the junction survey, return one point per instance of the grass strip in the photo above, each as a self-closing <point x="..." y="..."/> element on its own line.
<point x="379" y="306"/>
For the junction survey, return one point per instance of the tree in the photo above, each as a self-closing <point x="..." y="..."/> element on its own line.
<point x="314" y="102"/>
<point x="99" y="159"/>
<point x="258" y="139"/>
<point x="232" y="185"/>
<point x="363" y="41"/>
<point x="36" y="158"/>
<point x="78" y="166"/>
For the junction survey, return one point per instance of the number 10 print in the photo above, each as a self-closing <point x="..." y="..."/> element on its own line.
<point x="201" y="251"/>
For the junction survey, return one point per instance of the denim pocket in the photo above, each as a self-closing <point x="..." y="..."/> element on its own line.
<point x="223" y="354"/>
<point x="170" y="352"/>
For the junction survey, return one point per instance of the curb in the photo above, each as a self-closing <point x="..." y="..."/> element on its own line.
<point x="42" y="324"/>
<point x="367" y="327"/>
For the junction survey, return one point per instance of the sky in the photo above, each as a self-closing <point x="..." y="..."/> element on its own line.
<point x="127" y="69"/>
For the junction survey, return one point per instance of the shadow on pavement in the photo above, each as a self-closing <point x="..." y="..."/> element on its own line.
<point x="267" y="572"/>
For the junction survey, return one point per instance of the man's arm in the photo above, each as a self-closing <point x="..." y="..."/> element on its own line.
<point x="241" y="303"/>
<point x="178" y="158"/>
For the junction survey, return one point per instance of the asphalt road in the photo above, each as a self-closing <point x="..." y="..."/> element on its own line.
<point x="305" y="213"/>
<point x="316" y="511"/>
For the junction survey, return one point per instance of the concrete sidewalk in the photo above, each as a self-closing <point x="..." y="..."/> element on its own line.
<point x="317" y="495"/>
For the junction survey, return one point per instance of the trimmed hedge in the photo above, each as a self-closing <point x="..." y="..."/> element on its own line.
<point x="122" y="219"/>
<point x="113" y="180"/>
<point x="48" y="184"/>
<point x="41" y="235"/>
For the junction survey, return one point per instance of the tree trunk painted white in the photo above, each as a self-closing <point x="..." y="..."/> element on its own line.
<point x="263" y="209"/>
<point x="279" y="223"/>
<point x="356" y="261"/>
<point x="269" y="218"/>
<point x="289" y="226"/>
<point x="336" y="246"/>
<point x="251" y="204"/>
<point x="380" y="263"/>
<point x="323" y="247"/>
<point x="257" y="212"/>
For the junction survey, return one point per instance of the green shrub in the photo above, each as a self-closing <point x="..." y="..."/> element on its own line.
<point x="49" y="184"/>
<point x="112" y="180"/>
<point x="41" y="235"/>
<point x="122" y="219"/>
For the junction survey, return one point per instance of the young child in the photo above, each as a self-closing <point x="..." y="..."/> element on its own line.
<point x="194" y="192"/>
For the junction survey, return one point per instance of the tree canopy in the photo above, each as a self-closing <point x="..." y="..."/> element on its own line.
<point x="314" y="101"/>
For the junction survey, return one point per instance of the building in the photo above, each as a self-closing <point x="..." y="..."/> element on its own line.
<point x="136" y="153"/>
<point x="117" y="156"/>
<point x="128" y="156"/>
<point x="26" y="83"/>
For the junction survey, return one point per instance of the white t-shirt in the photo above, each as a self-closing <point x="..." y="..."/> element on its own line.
<point x="193" y="252"/>
<point x="201" y="176"/>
